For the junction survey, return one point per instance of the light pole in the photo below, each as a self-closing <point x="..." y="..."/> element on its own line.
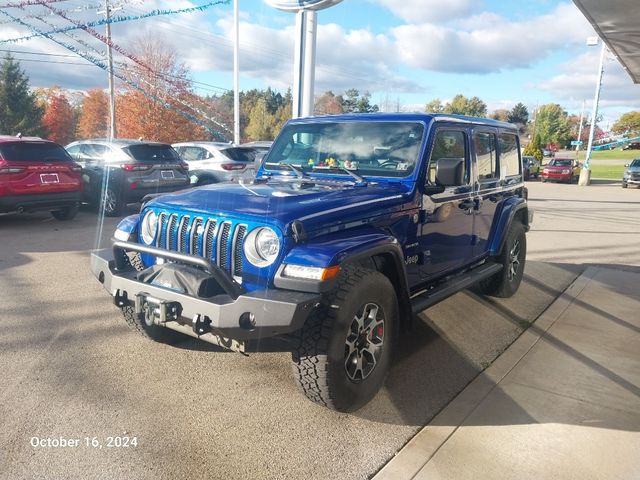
<point x="585" y="173"/>
<point x="305" y="49"/>
<point x="580" y="130"/>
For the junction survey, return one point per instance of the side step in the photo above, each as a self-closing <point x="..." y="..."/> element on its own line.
<point x="460" y="282"/>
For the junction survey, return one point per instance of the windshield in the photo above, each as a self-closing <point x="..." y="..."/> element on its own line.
<point x="153" y="153"/>
<point x="560" y="163"/>
<point x="34" y="152"/>
<point x="635" y="163"/>
<point x="379" y="149"/>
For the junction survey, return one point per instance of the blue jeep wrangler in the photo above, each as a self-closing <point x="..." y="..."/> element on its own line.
<point x="353" y="224"/>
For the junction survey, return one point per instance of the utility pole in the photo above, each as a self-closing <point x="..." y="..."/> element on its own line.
<point x="112" y="97"/>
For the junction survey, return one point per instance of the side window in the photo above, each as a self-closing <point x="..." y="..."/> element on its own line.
<point x="191" y="154"/>
<point x="94" y="152"/>
<point x="448" y="165"/>
<point x="74" y="151"/>
<point x="509" y="157"/>
<point x="485" y="146"/>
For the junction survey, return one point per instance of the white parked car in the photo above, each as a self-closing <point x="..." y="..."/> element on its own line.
<point x="215" y="162"/>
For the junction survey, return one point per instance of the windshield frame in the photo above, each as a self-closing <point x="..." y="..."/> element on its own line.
<point x="333" y="173"/>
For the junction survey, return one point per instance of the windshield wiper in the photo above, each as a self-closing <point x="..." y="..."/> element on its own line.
<point x="360" y="180"/>
<point x="299" y="173"/>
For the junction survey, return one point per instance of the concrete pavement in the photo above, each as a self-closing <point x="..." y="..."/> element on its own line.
<point x="563" y="401"/>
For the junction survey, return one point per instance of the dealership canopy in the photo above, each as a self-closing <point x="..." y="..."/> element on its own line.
<point x="618" y="24"/>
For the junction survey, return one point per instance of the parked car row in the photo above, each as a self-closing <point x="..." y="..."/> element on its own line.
<point x="37" y="174"/>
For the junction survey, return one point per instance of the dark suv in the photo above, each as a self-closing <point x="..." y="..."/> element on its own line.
<point x="353" y="224"/>
<point x="125" y="171"/>
<point x="37" y="174"/>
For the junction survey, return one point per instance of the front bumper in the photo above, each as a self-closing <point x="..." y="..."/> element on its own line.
<point x="272" y="312"/>
<point x="557" y="176"/>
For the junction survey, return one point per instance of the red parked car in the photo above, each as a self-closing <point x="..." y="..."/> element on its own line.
<point x="36" y="175"/>
<point x="561" y="169"/>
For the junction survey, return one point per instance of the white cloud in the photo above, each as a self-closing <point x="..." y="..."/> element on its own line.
<point x="429" y="10"/>
<point x="492" y="44"/>
<point x="578" y="79"/>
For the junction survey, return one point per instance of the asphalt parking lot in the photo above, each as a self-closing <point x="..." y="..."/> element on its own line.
<point x="72" y="369"/>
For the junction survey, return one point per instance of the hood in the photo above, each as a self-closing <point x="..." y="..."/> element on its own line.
<point x="280" y="201"/>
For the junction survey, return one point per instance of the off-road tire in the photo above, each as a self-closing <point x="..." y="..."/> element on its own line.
<point x="154" y="332"/>
<point x="66" y="213"/>
<point x="505" y="283"/>
<point x="320" y="353"/>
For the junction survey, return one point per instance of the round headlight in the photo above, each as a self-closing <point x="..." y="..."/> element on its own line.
<point x="262" y="246"/>
<point x="149" y="227"/>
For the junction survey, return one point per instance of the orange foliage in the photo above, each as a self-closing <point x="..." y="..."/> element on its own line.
<point x="59" y="120"/>
<point x="94" y="117"/>
<point x="138" y="115"/>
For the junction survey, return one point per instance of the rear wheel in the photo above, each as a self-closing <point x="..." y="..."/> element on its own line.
<point x="343" y="352"/>
<point x="512" y="258"/>
<point x="111" y="203"/>
<point x="66" y="213"/>
<point x="138" y="324"/>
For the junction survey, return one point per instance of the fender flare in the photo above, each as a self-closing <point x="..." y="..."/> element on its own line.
<point x="507" y="215"/>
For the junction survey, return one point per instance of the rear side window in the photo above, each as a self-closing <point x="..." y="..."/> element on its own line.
<point x="34" y="152"/>
<point x="240" y="154"/>
<point x="153" y="153"/>
<point x="191" y="154"/>
<point x="485" y="146"/>
<point x="509" y="158"/>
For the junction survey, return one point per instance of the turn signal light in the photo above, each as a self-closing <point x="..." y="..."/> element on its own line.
<point x="134" y="167"/>
<point x="7" y="170"/>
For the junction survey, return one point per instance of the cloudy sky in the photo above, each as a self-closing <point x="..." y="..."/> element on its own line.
<point x="402" y="51"/>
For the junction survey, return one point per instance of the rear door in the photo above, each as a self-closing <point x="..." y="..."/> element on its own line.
<point x="487" y="186"/>
<point x="37" y="167"/>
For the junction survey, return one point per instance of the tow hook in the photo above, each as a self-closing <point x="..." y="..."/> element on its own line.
<point x="201" y="324"/>
<point x="156" y="311"/>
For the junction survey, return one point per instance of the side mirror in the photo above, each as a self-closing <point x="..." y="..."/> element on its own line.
<point x="449" y="172"/>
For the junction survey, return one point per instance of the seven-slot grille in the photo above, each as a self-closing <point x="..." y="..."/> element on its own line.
<point x="219" y="241"/>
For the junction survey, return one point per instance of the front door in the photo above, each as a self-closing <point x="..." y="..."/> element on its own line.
<point x="446" y="228"/>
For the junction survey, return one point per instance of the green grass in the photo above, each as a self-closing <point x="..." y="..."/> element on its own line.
<point x="612" y="155"/>
<point x="607" y="171"/>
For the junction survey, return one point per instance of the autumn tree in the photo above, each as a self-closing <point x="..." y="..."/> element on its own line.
<point x="628" y="123"/>
<point x="59" y="120"/>
<point x="164" y="111"/>
<point x="261" y="122"/>
<point x="94" y="115"/>
<point x="500" y="114"/>
<point x="434" y="106"/>
<point x="19" y="110"/>
<point x="328" y="104"/>
<point x="462" y="105"/>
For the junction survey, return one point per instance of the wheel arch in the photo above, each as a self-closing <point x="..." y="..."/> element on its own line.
<point x="513" y="210"/>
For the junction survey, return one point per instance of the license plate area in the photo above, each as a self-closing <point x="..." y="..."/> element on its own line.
<point x="167" y="174"/>
<point x="49" y="178"/>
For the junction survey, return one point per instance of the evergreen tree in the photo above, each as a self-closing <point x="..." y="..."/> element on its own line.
<point x="519" y="114"/>
<point x="19" y="110"/>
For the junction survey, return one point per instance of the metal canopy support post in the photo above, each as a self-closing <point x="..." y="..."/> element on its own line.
<point x="236" y="73"/>
<point x="585" y="173"/>
<point x="304" y="63"/>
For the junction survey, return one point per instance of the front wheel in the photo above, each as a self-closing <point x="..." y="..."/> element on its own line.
<point x="624" y="185"/>
<point x="343" y="352"/>
<point x="505" y="283"/>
